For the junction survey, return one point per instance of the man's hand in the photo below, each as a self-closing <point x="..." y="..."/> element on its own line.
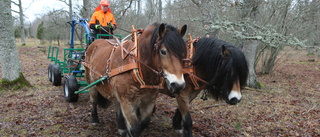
<point x="97" y="26"/>
<point x="110" y="25"/>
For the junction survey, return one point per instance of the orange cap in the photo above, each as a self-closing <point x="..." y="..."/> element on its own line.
<point x="104" y="2"/>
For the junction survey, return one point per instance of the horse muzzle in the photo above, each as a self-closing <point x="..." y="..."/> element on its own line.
<point x="233" y="101"/>
<point x="174" y="84"/>
<point x="176" y="88"/>
<point x="234" y="98"/>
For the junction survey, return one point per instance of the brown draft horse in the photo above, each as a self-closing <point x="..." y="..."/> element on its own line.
<point x="221" y="70"/>
<point x="160" y="52"/>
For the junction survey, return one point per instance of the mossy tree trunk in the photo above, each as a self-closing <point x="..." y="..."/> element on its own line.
<point x="11" y="69"/>
<point x="16" y="84"/>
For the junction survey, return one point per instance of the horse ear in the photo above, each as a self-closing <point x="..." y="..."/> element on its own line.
<point x="162" y="30"/>
<point x="183" y="30"/>
<point x="225" y="52"/>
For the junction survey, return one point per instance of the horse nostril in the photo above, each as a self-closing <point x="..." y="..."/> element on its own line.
<point x="234" y="101"/>
<point x="176" y="88"/>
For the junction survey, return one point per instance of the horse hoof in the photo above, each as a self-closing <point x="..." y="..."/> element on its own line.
<point x="179" y="131"/>
<point x="94" y="124"/>
<point x="122" y="132"/>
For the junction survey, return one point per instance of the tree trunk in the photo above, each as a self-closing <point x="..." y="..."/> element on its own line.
<point x="150" y="11"/>
<point x="249" y="50"/>
<point x="70" y="9"/>
<point x="139" y="7"/>
<point x="8" y="52"/>
<point x="86" y="9"/>
<point x="160" y="10"/>
<point x="267" y="66"/>
<point x="23" y="36"/>
<point x="85" y="14"/>
<point x="250" y="10"/>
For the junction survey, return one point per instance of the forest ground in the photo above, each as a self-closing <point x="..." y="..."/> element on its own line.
<point x="287" y="105"/>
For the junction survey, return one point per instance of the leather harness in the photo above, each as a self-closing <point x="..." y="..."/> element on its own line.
<point x="134" y="62"/>
<point x="188" y="68"/>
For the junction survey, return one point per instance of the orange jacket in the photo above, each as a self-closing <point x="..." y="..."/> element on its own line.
<point x="103" y="18"/>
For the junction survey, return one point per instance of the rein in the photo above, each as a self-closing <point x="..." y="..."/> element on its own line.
<point x="109" y="32"/>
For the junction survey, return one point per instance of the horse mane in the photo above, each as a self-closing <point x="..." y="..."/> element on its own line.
<point x="172" y="40"/>
<point x="220" y="71"/>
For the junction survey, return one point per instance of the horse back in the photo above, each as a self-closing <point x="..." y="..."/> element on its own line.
<point x="100" y="55"/>
<point x="97" y="55"/>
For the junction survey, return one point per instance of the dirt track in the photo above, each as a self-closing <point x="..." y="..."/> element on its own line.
<point x="288" y="105"/>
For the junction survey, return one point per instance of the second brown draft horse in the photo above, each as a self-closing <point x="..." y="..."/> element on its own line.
<point x="221" y="71"/>
<point x="160" y="53"/>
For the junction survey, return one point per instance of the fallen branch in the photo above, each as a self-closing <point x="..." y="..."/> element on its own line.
<point x="217" y="105"/>
<point x="253" y="89"/>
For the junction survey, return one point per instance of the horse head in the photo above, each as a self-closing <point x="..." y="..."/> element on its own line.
<point x="223" y="66"/>
<point x="168" y="50"/>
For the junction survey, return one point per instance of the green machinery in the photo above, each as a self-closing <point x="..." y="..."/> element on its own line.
<point x="68" y="69"/>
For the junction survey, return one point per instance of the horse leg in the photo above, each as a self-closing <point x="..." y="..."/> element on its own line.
<point x="130" y="115"/>
<point x="94" y="97"/>
<point x="187" y="125"/>
<point x="183" y="103"/>
<point x="145" y="112"/>
<point x="176" y="121"/>
<point x="122" y="129"/>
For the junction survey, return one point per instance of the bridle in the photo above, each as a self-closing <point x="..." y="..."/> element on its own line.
<point x="189" y="68"/>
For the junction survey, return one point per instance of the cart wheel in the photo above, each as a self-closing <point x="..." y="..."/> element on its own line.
<point x="56" y="75"/>
<point x="70" y="86"/>
<point x="50" y="71"/>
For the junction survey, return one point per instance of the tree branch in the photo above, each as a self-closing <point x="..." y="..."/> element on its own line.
<point x="266" y="35"/>
<point x="196" y="3"/>
<point x="125" y="10"/>
<point x="15" y="3"/>
<point x="15" y="11"/>
<point x="64" y="1"/>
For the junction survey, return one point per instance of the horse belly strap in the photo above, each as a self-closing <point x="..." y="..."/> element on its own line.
<point x="123" y="69"/>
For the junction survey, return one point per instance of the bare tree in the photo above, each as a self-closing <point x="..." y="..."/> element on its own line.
<point x="251" y="11"/>
<point x="21" y="15"/>
<point x="55" y="26"/>
<point x="150" y="11"/>
<point x="69" y="4"/>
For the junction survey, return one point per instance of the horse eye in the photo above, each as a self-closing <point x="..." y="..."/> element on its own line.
<point x="163" y="51"/>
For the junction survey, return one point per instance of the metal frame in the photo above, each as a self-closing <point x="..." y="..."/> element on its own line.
<point x="72" y="58"/>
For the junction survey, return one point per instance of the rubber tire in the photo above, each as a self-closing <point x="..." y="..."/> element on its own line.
<point x="50" y="71"/>
<point x="56" y="75"/>
<point x="70" y="86"/>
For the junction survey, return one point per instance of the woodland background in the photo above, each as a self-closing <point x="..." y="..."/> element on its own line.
<point x="279" y="38"/>
<point x="262" y="28"/>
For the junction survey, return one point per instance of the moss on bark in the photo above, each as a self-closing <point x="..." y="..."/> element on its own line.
<point x="17" y="84"/>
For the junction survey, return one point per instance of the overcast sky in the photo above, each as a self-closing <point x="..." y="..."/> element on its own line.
<point x="36" y="8"/>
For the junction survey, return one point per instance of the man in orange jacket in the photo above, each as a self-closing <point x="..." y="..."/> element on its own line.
<point x="102" y="20"/>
